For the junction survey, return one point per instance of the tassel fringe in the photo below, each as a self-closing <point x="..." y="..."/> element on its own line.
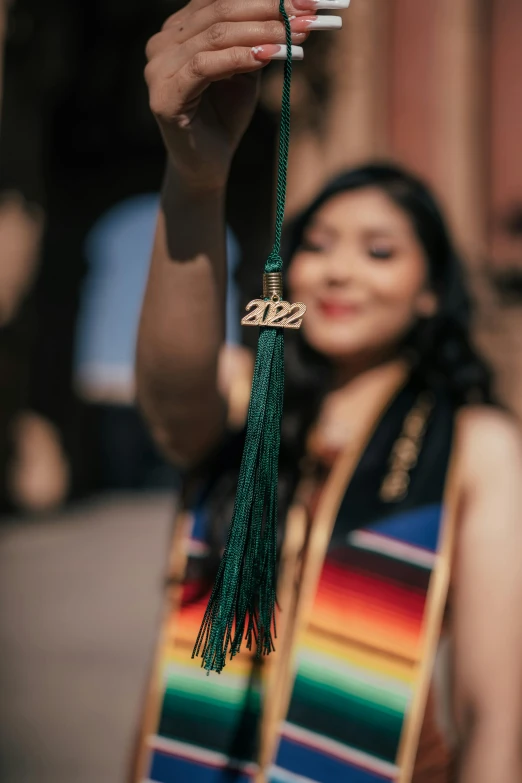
<point x="242" y="603"/>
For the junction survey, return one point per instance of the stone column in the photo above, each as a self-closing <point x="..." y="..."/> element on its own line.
<point x="355" y="123"/>
<point x="357" y="126"/>
<point x="503" y="337"/>
<point x="461" y="164"/>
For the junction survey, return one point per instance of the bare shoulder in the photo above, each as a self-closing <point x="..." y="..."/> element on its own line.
<point x="490" y="442"/>
<point x="490" y="487"/>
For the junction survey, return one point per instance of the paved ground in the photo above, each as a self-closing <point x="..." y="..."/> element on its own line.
<point x="79" y="606"/>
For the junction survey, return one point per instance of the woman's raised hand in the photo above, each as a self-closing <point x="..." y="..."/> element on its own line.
<point x="202" y="75"/>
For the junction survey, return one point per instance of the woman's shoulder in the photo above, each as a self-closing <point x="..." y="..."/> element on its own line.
<point x="489" y="440"/>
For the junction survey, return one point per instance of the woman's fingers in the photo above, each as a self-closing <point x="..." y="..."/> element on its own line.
<point x="226" y="35"/>
<point x="194" y="77"/>
<point x="220" y="11"/>
<point x="222" y="35"/>
<point x="214" y="41"/>
<point x="199" y="14"/>
<point x="210" y="40"/>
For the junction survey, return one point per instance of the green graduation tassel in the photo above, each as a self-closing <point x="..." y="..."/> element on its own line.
<point x="242" y="602"/>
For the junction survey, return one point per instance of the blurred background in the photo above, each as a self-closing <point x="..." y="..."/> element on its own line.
<point x="86" y="501"/>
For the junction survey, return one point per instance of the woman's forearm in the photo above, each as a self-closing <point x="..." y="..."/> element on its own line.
<point x="183" y="322"/>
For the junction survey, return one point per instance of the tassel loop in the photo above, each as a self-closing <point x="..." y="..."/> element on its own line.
<point x="274" y="262"/>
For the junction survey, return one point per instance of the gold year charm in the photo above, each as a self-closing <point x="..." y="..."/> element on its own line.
<point x="272" y="310"/>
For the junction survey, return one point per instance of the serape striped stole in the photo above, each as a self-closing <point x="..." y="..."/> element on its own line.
<point x="362" y="658"/>
<point x="362" y="662"/>
<point x="208" y="725"/>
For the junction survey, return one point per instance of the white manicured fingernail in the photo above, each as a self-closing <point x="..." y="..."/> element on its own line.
<point x="305" y="23"/>
<point x="331" y="5"/>
<point x="276" y="52"/>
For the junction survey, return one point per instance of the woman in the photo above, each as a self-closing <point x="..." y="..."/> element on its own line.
<point x="399" y="637"/>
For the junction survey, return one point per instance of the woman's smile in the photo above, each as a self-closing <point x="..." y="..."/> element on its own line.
<point x="338" y="309"/>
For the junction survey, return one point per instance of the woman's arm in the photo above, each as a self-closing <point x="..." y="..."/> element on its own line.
<point x="488" y="600"/>
<point x="202" y="81"/>
<point x="182" y="323"/>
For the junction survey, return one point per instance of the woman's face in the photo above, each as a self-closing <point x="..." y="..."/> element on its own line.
<point x="363" y="275"/>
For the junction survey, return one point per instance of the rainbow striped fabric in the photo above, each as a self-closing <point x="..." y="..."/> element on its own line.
<point x="357" y="669"/>
<point x="208" y="724"/>
<point x="358" y="660"/>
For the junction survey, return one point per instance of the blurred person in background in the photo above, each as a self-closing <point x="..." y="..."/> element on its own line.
<point x="34" y="466"/>
<point x="406" y="663"/>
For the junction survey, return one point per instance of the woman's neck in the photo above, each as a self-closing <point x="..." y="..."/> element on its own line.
<point x="365" y="367"/>
<point x="352" y="379"/>
<point x="356" y="400"/>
